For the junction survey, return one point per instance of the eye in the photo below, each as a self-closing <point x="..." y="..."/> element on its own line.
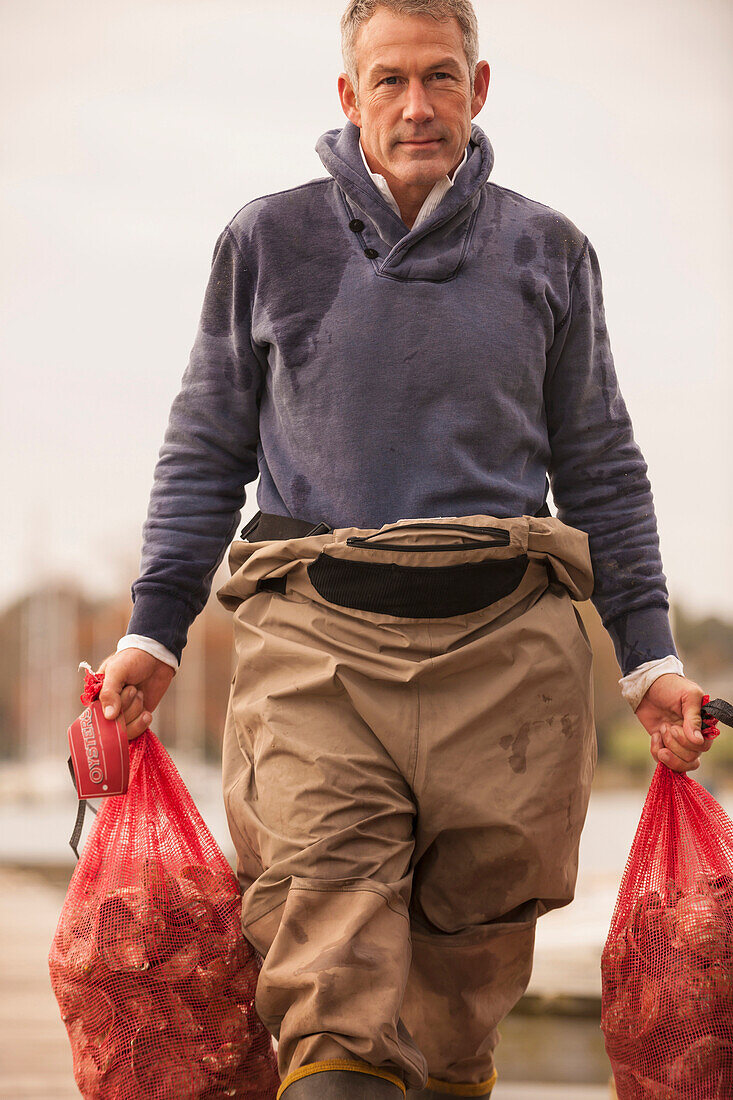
<point x="441" y="76"/>
<point x="387" y="79"/>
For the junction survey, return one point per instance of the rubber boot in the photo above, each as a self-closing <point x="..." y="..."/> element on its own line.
<point x="340" y="1084"/>
<point x="425" y="1094"/>
<point x="431" y="1094"/>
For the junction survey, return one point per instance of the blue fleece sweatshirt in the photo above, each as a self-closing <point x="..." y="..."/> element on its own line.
<point x="371" y="373"/>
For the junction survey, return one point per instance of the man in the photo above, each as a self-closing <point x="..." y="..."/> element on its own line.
<point x="403" y="351"/>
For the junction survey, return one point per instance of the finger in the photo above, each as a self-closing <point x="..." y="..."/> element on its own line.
<point x="127" y="695"/>
<point x="134" y="708"/>
<point x="139" y="725"/>
<point x="679" y="733"/>
<point x="671" y="738"/>
<point x="692" y="719"/>
<point x="657" y="746"/>
<point x="127" y="698"/>
<point x="675" y="764"/>
<point x="110" y="695"/>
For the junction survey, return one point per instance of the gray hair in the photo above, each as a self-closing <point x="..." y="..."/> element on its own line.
<point x="360" y="12"/>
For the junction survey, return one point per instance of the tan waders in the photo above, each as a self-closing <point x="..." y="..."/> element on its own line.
<point x="407" y="764"/>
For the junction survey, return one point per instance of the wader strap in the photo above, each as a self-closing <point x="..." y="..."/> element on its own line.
<point x="265" y="526"/>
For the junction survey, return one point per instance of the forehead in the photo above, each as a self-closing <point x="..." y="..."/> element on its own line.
<point x="388" y="39"/>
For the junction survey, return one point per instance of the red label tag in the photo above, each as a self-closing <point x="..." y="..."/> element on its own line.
<point x="100" y="753"/>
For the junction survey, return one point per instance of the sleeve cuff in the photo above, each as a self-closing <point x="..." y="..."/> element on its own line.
<point x="148" y="645"/>
<point x="641" y="635"/>
<point x="160" y="615"/>
<point x="635" y="684"/>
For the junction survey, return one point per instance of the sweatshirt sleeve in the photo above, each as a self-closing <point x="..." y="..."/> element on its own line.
<point x="209" y="454"/>
<point x="599" y="477"/>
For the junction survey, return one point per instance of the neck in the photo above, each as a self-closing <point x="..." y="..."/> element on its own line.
<point x="409" y="199"/>
<point x="408" y="196"/>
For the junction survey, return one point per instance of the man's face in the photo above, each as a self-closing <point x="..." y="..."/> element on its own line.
<point x="415" y="97"/>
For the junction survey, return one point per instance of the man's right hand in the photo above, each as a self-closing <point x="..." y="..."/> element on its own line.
<point x="134" y="684"/>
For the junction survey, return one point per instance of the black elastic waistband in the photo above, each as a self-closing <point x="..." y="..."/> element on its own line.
<point x="266" y="526"/>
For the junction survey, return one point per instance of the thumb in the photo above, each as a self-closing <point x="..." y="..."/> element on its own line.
<point x="109" y="696"/>
<point x="692" y="719"/>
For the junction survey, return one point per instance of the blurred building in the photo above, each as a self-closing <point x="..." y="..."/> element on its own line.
<point x="45" y="635"/>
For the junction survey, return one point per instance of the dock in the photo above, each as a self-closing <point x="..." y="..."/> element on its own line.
<point x="35" y="1056"/>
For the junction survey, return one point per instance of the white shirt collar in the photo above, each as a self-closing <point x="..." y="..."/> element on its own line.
<point x="440" y="189"/>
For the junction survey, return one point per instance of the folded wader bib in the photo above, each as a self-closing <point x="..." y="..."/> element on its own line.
<point x="408" y="756"/>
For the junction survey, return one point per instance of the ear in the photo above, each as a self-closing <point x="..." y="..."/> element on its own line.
<point x="480" y="87"/>
<point x="348" y="100"/>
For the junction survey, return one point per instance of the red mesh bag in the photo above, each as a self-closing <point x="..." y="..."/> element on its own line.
<point x="153" y="977"/>
<point x="667" y="965"/>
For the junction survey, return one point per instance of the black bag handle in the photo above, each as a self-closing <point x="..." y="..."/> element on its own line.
<point x="80" y="814"/>
<point x="91" y="690"/>
<point x="718" y="710"/>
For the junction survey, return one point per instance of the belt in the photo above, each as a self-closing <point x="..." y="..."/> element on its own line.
<point x="265" y="526"/>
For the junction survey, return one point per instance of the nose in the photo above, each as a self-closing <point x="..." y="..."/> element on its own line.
<point x="418" y="107"/>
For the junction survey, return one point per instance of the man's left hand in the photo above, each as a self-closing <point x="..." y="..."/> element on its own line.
<point x="670" y="713"/>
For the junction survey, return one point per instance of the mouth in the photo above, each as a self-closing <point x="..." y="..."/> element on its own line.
<point x="431" y="143"/>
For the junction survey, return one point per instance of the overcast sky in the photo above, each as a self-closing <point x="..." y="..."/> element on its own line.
<point x="133" y="131"/>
